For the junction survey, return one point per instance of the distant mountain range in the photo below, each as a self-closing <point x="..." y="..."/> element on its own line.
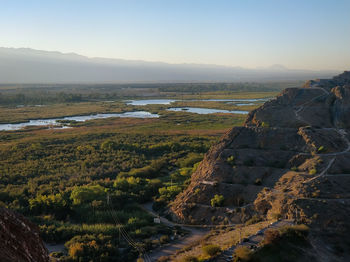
<point x="24" y="65"/>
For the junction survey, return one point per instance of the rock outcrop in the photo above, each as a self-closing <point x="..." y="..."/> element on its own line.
<point x="291" y="159"/>
<point x="19" y="239"/>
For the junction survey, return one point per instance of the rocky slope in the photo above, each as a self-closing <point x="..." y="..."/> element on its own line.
<point x="291" y="160"/>
<point x="19" y="239"/>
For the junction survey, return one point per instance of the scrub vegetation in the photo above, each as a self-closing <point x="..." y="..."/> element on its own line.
<point x="85" y="186"/>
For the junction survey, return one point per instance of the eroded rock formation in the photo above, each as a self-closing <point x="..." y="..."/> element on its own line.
<point x="19" y="239"/>
<point x="291" y="159"/>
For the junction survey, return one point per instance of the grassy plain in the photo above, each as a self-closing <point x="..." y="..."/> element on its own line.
<point x="15" y="114"/>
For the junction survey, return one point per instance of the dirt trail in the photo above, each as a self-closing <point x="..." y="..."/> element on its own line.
<point x="253" y="240"/>
<point x="195" y="233"/>
<point x="302" y="106"/>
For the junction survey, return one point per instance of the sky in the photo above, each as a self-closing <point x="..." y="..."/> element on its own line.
<point x="303" y="34"/>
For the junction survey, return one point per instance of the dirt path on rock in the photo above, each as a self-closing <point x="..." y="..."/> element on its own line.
<point x="195" y="233"/>
<point x="253" y="240"/>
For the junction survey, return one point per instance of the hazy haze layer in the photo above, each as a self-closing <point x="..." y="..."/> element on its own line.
<point x="35" y="66"/>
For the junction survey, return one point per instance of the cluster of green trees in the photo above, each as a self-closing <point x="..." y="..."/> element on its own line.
<point x="80" y="189"/>
<point x="38" y="98"/>
<point x="231" y="87"/>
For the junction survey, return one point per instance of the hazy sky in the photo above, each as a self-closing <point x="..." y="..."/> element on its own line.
<point x="310" y="34"/>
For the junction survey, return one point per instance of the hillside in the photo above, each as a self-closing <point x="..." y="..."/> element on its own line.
<point x="28" y="66"/>
<point x="20" y="239"/>
<point x="290" y="160"/>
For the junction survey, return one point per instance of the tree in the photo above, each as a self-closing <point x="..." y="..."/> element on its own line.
<point x="86" y="194"/>
<point x="217" y="201"/>
<point x="108" y="145"/>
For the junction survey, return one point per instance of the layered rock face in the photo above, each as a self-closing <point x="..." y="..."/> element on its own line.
<point x="19" y="239"/>
<point x="291" y="159"/>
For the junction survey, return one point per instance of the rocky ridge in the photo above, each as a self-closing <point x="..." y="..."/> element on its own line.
<point x="19" y="239"/>
<point x="291" y="159"/>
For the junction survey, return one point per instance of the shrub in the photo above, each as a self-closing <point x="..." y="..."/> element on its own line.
<point x="211" y="250"/>
<point x="231" y="160"/>
<point x="76" y="250"/>
<point x="312" y="171"/>
<point x="295" y="233"/>
<point x="170" y="192"/>
<point x="294" y="168"/>
<point x="316" y="193"/>
<point x="88" y="193"/>
<point x="258" y="182"/>
<point x="164" y="239"/>
<point x="197" y="191"/>
<point x="217" y="200"/>
<point x="109" y="145"/>
<point x="276" y="216"/>
<point x="265" y="124"/>
<point x="163" y="259"/>
<point x="271" y="236"/>
<point x="288" y="243"/>
<point x="321" y="149"/>
<point x="242" y="253"/>
<point x="255" y="219"/>
<point x="190" y="259"/>
<point x="185" y="171"/>
<point x="190" y="160"/>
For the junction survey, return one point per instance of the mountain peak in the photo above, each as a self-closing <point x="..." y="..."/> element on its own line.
<point x="278" y="67"/>
<point x="25" y="65"/>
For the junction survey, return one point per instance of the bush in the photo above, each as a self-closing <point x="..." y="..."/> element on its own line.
<point x="170" y="192"/>
<point x="258" y="182"/>
<point x="164" y="239"/>
<point x="88" y="193"/>
<point x="276" y="216"/>
<point x="242" y="253"/>
<point x="313" y="171"/>
<point x="265" y="124"/>
<point x="271" y="236"/>
<point x="217" y="201"/>
<point x="231" y="160"/>
<point x="294" y="168"/>
<point x="321" y="149"/>
<point x="211" y="250"/>
<point x="190" y="259"/>
<point x="255" y="219"/>
<point x="295" y="233"/>
<point x="190" y="160"/>
<point x="163" y="259"/>
<point x="92" y="248"/>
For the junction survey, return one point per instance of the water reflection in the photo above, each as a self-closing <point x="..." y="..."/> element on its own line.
<point x="56" y="121"/>
<point x="198" y="110"/>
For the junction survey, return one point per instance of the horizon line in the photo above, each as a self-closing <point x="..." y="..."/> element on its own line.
<point x="271" y="67"/>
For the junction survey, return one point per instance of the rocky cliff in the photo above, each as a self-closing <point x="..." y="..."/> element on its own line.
<point x="291" y="159"/>
<point x="19" y="239"/>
